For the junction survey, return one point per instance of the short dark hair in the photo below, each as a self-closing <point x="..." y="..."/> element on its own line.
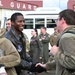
<point x="44" y="28"/>
<point x="36" y="31"/>
<point x="68" y="15"/>
<point x="8" y="19"/>
<point x="14" y="16"/>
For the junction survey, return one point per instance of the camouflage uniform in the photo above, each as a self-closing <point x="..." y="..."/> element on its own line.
<point x="27" y="44"/>
<point x="54" y="38"/>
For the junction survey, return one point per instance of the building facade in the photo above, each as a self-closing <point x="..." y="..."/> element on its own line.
<point x="7" y="6"/>
<point x="71" y="4"/>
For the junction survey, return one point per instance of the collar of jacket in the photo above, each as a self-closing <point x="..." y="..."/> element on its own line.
<point x="70" y="28"/>
<point x="44" y="34"/>
<point x="17" y="36"/>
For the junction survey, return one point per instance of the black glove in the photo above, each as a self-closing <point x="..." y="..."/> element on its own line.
<point x="33" y="68"/>
<point x="40" y="69"/>
<point x="25" y="65"/>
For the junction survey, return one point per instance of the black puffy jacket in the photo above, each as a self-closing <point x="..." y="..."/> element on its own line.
<point x="19" y="42"/>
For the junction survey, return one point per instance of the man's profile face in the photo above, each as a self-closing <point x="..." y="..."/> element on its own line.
<point x="59" y="24"/>
<point x="19" y="23"/>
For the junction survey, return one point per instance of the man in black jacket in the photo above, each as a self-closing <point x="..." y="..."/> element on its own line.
<point x="16" y="36"/>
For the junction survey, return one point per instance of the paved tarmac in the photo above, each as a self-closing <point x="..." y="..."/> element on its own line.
<point x="43" y="73"/>
<point x="48" y="73"/>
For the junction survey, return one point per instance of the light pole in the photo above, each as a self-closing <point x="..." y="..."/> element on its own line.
<point x="59" y="3"/>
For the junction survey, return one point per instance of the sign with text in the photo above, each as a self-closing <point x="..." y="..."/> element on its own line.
<point x="17" y="5"/>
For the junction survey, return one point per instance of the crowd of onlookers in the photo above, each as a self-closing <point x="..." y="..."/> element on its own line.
<point x="37" y="50"/>
<point x="38" y="47"/>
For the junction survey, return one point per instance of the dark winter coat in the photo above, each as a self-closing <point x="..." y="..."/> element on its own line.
<point x="19" y="42"/>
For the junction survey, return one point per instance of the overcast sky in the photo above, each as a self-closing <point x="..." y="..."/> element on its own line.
<point x="62" y="4"/>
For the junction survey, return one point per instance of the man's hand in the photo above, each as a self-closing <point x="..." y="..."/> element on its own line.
<point x="40" y="67"/>
<point x="54" y="50"/>
<point x="37" y="68"/>
<point x="39" y="64"/>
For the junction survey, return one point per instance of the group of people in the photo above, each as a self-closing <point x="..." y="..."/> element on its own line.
<point x="39" y="45"/>
<point x="15" y="58"/>
<point x="18" y="39"/>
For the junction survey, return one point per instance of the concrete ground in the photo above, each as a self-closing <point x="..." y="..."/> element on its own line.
<point x="48" y="73"/>
<point x="43" y="73"/>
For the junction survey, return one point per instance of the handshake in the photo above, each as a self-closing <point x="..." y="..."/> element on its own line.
<point x="30" y="66"/>
<point x="37" y="68"/>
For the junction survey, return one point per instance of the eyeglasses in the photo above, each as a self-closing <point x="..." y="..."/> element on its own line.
<point x="57" y="19"/>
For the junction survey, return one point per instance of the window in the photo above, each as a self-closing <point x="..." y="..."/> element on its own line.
<point x="39" y="23"/>
<point x="51" y="23"/>
<point x="28" y="24"/>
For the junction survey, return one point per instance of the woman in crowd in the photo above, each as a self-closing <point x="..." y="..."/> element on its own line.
<point x="36" y="48"/>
